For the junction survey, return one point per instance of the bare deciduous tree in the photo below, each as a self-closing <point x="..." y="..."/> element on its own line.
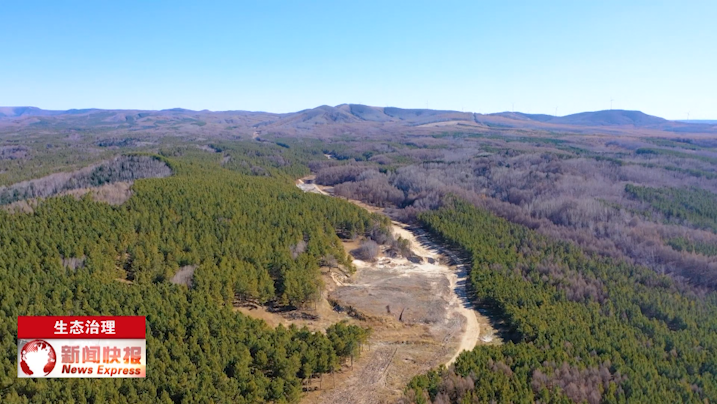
<point x="367" y="251"/>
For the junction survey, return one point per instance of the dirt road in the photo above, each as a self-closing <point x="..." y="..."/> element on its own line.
<point x="418" y="310"/>
<point x="458" y="276"/>
<point x="307" y="185"/>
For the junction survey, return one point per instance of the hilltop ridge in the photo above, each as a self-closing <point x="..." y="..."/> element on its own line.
<point x="344" y="118"/>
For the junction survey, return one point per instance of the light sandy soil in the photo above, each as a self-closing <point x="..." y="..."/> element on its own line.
<point x="418" y="310"/>
<point x="457" y="277"/>
<point x="306" y="184"/>
<point x="322" y="310"/>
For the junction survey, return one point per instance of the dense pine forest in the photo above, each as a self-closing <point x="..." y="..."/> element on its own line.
<point x="237" y="235"/>
<point x="582" y="328"/>
<point x="695" y="206"/>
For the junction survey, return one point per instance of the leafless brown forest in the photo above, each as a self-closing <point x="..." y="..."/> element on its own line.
<point x="571" y="187"/>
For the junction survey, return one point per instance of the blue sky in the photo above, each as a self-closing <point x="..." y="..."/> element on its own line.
<point x="483" y="56"/>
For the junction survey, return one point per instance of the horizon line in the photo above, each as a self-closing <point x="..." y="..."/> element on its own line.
<point x="338" y="105"/>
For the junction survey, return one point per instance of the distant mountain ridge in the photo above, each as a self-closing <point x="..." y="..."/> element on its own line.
<point x="349" y="117"/>
<point x="704" y="121"/>
<point x="16" y="112"/>
<point x="612" y="117"/>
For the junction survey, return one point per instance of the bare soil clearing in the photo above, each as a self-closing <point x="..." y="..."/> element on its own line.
<point x="306" y="184"/>
<point x="418" y="309"/>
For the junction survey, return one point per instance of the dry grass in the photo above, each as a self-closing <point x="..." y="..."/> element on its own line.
<point x="116" y="193"/>
<point x="322" y="310"/>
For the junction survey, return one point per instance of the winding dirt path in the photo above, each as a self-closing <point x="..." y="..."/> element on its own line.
<point x="418" y="309"/>
<point x="421" y="245"/>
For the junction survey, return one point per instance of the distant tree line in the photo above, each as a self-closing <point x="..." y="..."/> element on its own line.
<point x="582" y="199"/>
<point x="123" y="168"/>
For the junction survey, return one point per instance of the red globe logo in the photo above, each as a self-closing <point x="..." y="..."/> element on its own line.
<point x="37" y="358"/>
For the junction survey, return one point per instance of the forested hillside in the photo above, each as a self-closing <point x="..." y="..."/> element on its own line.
<point x="583" y="328"/>
<point x="597" y="252"/>
<point x="244" y="236"/>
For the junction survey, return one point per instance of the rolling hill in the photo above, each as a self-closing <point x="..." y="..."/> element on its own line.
<point x="324" y="120"/>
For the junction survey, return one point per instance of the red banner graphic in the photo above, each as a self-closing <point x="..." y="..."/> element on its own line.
<point x="82" y="327"/>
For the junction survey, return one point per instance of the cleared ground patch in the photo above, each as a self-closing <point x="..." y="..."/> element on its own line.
<point x="419" y="312"/>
